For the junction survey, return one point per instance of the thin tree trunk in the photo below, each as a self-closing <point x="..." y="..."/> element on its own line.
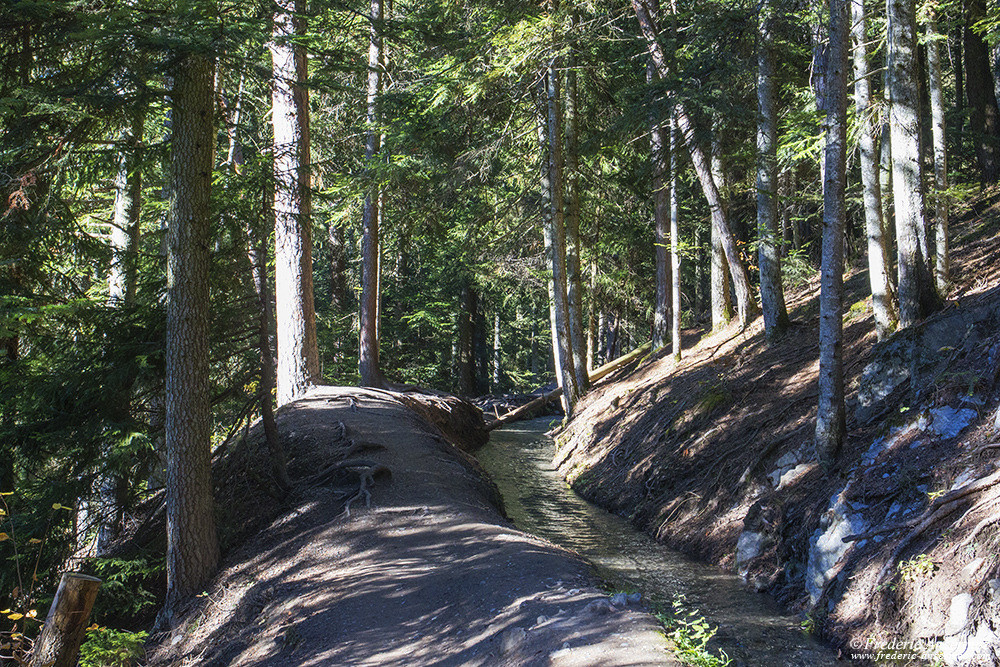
<point x="574" y="284"/>
<point x="984" y="117"/>
<point x="957" y="59"/>
<point x="722" y="304"/>
<point x="675" y="253"/>
<point x="592" y="319"/>
<point x="661" y="224"/>
<point x="938" y="140"/>
<point x="545" y="183"/>
<point x="125" y="223"/>
<point x="369" y="364"/>
<point x="192" y="544"/>
<point x="916" y="288"/>
<point x="557" y="257"/>
<point x="830" y="416"/>
<point x="298" y="351"/>
<point x="466" y="341"/>
<point x="495" y="380"/>
<point x="771" y="295"/>
<point x="878" y="269"/>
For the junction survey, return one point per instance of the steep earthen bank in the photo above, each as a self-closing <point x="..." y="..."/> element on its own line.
<point x="899" y="541"/>
<point x="430" y="573"/>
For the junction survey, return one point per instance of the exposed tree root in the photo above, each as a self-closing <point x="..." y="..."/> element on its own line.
<point x="939" y="509"/>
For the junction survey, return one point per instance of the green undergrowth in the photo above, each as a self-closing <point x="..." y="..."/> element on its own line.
<point x="689" y="633"/>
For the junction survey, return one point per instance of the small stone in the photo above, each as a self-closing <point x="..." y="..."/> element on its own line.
<point x="540" y="620"/>
<point x="618" y="600"/>
<point x="634" y="598"/>
<point x="600" y="607"/>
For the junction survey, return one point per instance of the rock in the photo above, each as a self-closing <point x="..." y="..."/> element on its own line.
<point x="749" y="545"/>
<point x="958" y="614"/>
<point x="948" y="422"/>
<point x="827" y="549"/>
<point x="634" y="598"/>
<point x="512" y="639"/>
<point x="908" y="361"/>
<point x="795" y="474"/>
<point x="600" y="607"/>
<point x="618" y="600"/>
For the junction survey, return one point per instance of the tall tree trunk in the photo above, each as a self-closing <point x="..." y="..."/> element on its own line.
<point x="369" y="364"/>
<point x="957" y="59"/>
<point x="192" y="544"/>
<point x="298" y="351"/>
<point x="916" y="288"/>
<point x="722" y="304"/>
<point x="830" y="416"/>
<point x="984" y="117"/>
<point x="939" y="142"/>
<point x="557" y="233"/>
<point x="574" y="282"/>
<point x="771" y="295"/>
<point x="545" y="181"/>
<point x="878" y="269"/>
<point x="592" y="316"/>
<point x="661" y="224"/>
<point x="675" y="253"/>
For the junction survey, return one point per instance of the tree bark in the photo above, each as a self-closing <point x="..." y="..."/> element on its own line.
<point x="916" y="288"/>
<point x="125" y="222"/>
<point x="557" y="233"/>
<point x="746" y="305"/>
<point x="574" y="282"/>
<point x="768" y="256"/>
<point x="939" y="143"/>
<point x="298" y="351"/>
<point x="984" y="117"/>
<point x="722" y="304"/>
<point x="369" y="363"/>
<point x="675" y="253"/>
<point x="830" y="417"/>
<point x="661" y="224"/>
<point x="883" y="304"/>
<point x="466" y="346"/>
<point x="58" y="645"/>
<point x="192" y="545"/>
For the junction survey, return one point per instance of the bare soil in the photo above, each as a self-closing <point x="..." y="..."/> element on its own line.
<point x="431" y="573"/>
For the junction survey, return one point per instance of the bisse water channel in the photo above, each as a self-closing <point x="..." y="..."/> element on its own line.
<point x="753" y="629"/>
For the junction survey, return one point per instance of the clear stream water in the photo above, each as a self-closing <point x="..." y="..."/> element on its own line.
<point x="753" y="629"/>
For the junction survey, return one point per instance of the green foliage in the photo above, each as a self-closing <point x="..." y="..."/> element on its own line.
<point x="797" y="268"/>
<point x="689" y="633"/>
<point x="131" y="587"/>
<point x="916" y="568"/>
<point x="105" y="647"/>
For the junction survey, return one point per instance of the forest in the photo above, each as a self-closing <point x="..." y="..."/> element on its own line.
<point x="210" y="207"/>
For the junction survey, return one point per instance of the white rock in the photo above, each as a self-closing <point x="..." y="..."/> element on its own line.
<point x="958" y="614"/>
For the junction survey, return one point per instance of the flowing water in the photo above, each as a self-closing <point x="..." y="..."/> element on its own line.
<point x="753" y="629"/>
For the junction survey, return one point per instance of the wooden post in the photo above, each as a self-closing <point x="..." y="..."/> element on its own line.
<point x="59" y="643"/>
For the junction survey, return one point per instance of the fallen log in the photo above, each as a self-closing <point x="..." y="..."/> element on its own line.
<point x="528" y="409"/>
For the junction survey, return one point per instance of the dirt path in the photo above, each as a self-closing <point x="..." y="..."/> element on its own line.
<point x="430" y="574"/>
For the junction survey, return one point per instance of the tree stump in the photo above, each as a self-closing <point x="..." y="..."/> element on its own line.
<point x="59" y="642"/>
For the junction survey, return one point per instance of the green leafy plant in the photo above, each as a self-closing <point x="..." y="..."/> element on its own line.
<point x="916" y="568"/>
<point x="690" y="633"/>
<point x="106" y="647"/>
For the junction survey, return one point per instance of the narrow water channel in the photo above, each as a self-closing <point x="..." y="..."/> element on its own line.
<point x="753" y="629"/>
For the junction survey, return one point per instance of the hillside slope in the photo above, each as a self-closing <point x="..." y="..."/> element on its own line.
<point x="714" y="456"/>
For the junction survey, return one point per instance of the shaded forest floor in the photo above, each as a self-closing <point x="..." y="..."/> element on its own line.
<point x="714" y="456"/>
<point x="430" y="574"/>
